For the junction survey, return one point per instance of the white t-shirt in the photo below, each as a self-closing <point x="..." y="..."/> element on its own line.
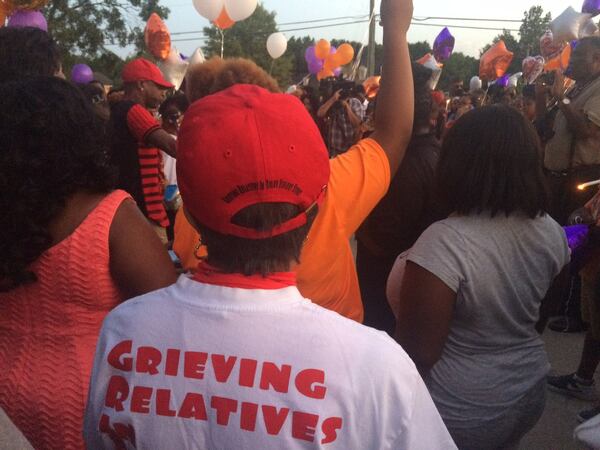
<point x="169" y="169"/>
<point x="501" y="268"/>
<point x="196" y="366"/>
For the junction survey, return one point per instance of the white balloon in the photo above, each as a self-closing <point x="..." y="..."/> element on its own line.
<point x="240" y="10"/>
<point x="513" y="81"/>
<point x="567" y="26"/>
<point x="475" y="84"/>
<point x="197" y="57"/>
<point x="211" y="9"/>
<point x="174" y="68"/>
<point x="277" y="45"/>
<point x="588" y="28"/>
<point x="431" y="63"/>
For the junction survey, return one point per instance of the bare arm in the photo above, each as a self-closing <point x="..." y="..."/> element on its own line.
<point x="426" y="306"/>
<point x="161" y="139"/>
<point x="323" y="110"/>
<point x="395" y="101"/>
<point x="578" y="123"/>
<point x="354" y="119"/>
<point x="139" y="262"/>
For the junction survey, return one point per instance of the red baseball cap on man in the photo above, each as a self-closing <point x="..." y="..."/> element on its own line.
<point x="245" y="146"/>
<point x="143" y="70"/>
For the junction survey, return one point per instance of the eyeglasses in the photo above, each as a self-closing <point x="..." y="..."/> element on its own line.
<point x="97" y="99"/>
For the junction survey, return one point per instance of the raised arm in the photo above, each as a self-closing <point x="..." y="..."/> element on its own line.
<point x="323" y="110"/>
<point x="395" y="101"/>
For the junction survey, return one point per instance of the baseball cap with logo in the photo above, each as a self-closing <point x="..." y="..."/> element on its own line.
<point x="143" y="70"/>
<point x="245" y="146"/>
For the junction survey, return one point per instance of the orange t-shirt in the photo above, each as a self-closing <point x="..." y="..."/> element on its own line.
<point x="327" y="272"/>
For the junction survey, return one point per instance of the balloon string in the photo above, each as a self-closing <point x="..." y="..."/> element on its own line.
<point x="222" y="42"/>
<point x="356" y="65"/>
<point x="272" y="65"/>
<point x="486" y="93"/>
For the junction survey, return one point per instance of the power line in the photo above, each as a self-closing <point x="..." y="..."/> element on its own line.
<point x="364" y="18"/>
<point x="467" y="27"/>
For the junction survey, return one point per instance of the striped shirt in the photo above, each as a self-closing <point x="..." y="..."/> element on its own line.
<point x="139" y="166"/>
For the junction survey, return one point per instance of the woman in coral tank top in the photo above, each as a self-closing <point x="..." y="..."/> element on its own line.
<point x="70" y="251"/>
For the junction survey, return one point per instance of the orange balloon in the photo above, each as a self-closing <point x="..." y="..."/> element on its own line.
<point x="322" y="49"/>
<point x="224" y="21"/>
<point x="157" y="37"/>
<point x="495" y="62"/>
<point x="330" y="63"/>
<point x="3" y="14"/>
<point x="561" y="62"/>
<point x="344" y="54"/>
<point x="26" y="5"/>
<point x="325" y="73"/>
<point x="371" y="86"/>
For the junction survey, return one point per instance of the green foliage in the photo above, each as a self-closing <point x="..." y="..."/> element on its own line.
<point x="247" y="39"/>
<point x="83" y="28"/>
<point x="535" y="23"/>
<point x="458" y="66"/>
<point x="418" y="50"/>
<point x="296" y="50"/>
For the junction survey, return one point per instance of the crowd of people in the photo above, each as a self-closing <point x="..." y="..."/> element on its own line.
<point x="177" y="267"/>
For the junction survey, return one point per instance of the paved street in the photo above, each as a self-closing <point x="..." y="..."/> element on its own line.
<point x="555" y="429"/>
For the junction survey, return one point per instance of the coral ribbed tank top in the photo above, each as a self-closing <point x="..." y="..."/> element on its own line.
<point x="48" y="333"/>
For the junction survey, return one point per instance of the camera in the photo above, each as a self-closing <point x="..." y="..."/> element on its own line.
<point x="330" y="86"/>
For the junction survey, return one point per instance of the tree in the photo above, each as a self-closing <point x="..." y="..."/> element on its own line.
<point x="83" y="28"/>
<point x="247" y="39"/>
<point x="296" y="50"/>
<point x="534" y="25"/>
<point x="458" y="66"/>
<point x="418" y="50"/>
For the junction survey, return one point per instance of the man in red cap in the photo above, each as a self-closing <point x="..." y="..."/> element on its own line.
<point x="236" y="357"/>
<point x="137" y="138"/>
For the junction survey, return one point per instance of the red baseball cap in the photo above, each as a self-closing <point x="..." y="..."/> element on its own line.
<point x="143" y="70"/>
<point x="245" y="146"/>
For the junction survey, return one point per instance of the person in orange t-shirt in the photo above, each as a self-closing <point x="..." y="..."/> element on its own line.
<point x="359" y="179"/>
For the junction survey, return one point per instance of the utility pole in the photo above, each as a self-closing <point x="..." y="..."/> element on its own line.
<point x="371" y="54"/>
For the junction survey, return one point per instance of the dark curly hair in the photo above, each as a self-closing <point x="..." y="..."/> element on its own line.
<point x="217" y="74"/>
<point x="27" y="52"/>
<point x="52" y="146"/>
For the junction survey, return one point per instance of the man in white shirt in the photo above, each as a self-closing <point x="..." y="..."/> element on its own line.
<point x="236" y="358"/>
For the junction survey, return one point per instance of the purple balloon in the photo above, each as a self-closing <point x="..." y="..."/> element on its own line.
<point x="503" y="81"/>
<point x="337" y="72"/>
<point x="591" y="7"/>
<point x="443" y="45"/>
<point x="310" y="55"/>
<point x="315" y="67"/>
<point x="34" y="19"/>
<point x="576" y="236"/>
<point x="82" y="74"/>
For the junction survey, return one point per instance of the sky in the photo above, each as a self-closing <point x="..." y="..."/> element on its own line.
<point x="184" y="18"/>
